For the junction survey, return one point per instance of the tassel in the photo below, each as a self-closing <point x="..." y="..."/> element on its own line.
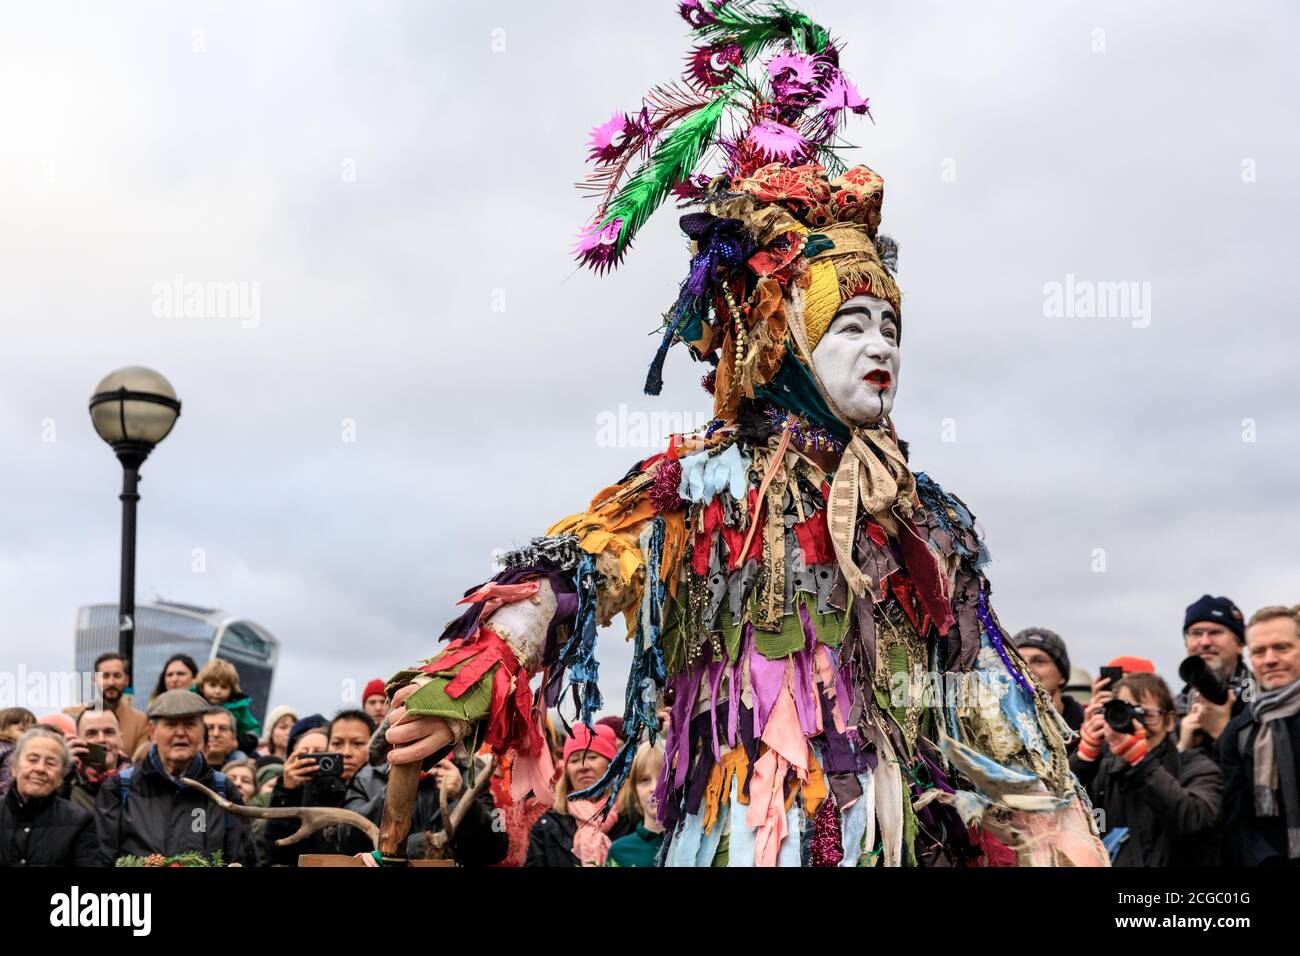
<point x="654" y="380"/>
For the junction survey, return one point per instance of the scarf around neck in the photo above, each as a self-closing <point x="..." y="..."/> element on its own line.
<point x="1275" y="768"/>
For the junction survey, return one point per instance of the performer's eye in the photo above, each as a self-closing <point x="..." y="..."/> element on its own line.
<point x="855" y="327"/>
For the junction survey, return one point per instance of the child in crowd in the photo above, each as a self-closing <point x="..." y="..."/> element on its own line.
<point x="637" y="802"/>
<point x="218" y="682"/>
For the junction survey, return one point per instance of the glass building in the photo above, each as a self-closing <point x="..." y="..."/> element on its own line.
<point x="166" y="628"/>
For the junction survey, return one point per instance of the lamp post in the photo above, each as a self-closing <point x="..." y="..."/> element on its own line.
<point x="132" y="409"/>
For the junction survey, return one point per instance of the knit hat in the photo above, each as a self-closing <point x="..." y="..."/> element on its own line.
<point x="310" y="722"/>
<point x="273" y="718"/>
<point x="601" y="742"/>
<point x="613" y="723"/>
<point x="58" y="721"/>
<point x="374" y="689"/>
<point x="1050" y="643"/>
<point x="268" y="772"/>
<point x="1133" y="665"/>
<point x="1216" y="610"/>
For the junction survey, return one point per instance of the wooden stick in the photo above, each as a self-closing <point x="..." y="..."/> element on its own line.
<point x="399" y="805"/>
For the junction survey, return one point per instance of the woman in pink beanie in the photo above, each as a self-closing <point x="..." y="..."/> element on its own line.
<point x="573" y="833"/>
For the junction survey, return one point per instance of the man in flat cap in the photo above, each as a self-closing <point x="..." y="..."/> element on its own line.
<point x="147" y="810"/>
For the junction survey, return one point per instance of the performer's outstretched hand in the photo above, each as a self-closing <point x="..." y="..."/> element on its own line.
<point x="415" y="739"/>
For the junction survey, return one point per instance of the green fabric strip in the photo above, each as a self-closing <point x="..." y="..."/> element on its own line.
<point x="432" y="700"/>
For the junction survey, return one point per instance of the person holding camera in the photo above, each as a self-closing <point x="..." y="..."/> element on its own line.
<point x="1215" y="672"/>
<point x="321" y="763"/>
<point x="1160" y="804"/>
<point x="96" y="755"/>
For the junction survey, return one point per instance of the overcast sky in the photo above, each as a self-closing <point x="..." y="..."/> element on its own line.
<point x="395" y="181"/>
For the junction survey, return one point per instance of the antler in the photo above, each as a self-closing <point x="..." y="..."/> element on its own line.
<point x="440" y="841"/>
<point x="312" y="819"/>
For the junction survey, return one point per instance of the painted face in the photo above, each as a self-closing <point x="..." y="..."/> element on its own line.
<point x="857" y="359"/>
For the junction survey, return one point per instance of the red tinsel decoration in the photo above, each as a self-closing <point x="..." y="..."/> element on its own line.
<point x="663" y="493"/>
<point x="827" y="844"/>
<point x="710" y="381"/>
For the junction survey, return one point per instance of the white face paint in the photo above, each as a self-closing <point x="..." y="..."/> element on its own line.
<point x="857" y="359"/>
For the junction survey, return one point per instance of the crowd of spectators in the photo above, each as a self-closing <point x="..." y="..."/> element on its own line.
<point x="1206" y="776"/>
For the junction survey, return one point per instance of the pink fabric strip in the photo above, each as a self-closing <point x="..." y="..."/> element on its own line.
<point x="493" y="596"/>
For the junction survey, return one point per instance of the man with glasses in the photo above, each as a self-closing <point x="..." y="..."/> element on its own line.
<point x="1214" y="630"/>
<point x="1158" y="804"/>
<point x="222" y="745"/>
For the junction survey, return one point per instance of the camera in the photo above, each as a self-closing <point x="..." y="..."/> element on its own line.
<point x="327" y="764"/>
<point x="1120" y="714"/>
<point x="1195" y="672"/>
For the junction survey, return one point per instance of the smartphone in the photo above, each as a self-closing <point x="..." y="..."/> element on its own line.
<point x="1114" y="673"/>
<point x="327" y="764"/>
<point x="96" y="756"/>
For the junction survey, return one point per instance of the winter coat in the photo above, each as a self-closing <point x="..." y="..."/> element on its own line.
<point x="45" y="831"/>
<point x="1169" y="802"/>
<point x="1248" y="840"/>
<point x="551" y="842"/>
<point x="146" y="812"/>
<point x="477" y="842"/>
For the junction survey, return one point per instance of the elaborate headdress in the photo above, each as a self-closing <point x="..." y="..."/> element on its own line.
<point x="782" y="218"/>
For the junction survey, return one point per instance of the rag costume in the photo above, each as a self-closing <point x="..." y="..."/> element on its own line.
<point x="812" y="611"/>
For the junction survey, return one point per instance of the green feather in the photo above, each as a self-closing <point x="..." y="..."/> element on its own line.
<point x="736" y="23"/>
<point x="673" y="160"/>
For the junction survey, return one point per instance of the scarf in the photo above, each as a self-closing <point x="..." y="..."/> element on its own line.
<point x="1275" y="768"/>
<point x="591" y="842"/>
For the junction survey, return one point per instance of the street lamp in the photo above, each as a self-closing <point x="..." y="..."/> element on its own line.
<point x="132" y="409"/>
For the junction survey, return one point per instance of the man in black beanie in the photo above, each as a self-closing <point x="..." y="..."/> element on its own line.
<point x="1045" y="653"/>
<point x="1215" y="631"/>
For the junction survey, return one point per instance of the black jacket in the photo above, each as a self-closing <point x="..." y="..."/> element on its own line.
<point x="551" y="841"/>
<point x="46" y="831"/>
<point x="322" y="792"/>
<point x="1169" y="802"/>
<point x="156" y="814"/>
<point x="1248" y="840"/>
<point x="476" y="843"/>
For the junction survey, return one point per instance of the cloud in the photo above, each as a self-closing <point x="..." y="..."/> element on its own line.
<point x="401" y="194"/>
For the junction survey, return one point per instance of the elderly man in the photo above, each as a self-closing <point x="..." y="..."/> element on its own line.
<point x="148" y="810"/>
<point x="96" y="754"/>
<point x="1215" y="631"/>
<point x="1259" y="751"/>
<point x="111" y="682"/>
